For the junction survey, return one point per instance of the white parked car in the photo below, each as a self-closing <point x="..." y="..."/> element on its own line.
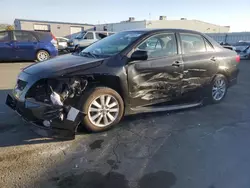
<point x="86" y="38"/>
<point x="62" y="43"/>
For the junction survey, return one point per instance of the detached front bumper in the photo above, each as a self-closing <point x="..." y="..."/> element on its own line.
<point x="36" y="113"/>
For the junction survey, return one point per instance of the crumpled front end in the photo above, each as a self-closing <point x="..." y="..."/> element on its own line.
<point x="52" y="105"/>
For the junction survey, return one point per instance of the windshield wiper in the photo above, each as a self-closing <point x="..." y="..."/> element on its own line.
<point x="89" y="54"/>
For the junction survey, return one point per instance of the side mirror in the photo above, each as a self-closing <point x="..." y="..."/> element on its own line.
<point x="139" y="55"/>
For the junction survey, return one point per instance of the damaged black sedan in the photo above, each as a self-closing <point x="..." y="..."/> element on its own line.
<point x="129" y="72"/>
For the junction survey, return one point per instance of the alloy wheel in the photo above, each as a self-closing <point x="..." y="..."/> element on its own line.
<point x="219" y="89"/>
<point x="42" y="56"/>
<point x="103" y="110"/>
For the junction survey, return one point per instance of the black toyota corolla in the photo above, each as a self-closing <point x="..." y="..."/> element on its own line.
<point x="129" y="72"/>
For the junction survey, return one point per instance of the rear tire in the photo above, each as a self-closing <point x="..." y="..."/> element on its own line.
<point x="218" y="88"/>
<point x="42" y="55"/>
<point x="103" y="107"/>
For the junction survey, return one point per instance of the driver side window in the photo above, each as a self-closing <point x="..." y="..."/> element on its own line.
<point x="159" y="45"/>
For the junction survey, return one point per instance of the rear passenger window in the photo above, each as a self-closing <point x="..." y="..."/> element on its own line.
<point x="100" y="36"/>
<point x="209" y="46"/>
<point x="192" y="43"/>
<point x="4" y="36"/>
<point x="21" y="36"/>
<point x="89" y="36"/>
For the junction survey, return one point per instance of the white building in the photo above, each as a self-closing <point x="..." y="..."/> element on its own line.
<point x="183" y="23"/>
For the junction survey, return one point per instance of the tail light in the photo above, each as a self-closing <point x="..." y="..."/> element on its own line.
<point x="54" y="41"/>
<point x="53" y="36"/>
<point x="237" y="58"/>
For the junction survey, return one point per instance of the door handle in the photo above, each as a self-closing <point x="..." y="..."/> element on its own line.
<point x="213" y="58"/>
<point x="176" y="64"/>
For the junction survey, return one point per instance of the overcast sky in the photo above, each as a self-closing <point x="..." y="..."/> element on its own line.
<point x="222" y="12"/>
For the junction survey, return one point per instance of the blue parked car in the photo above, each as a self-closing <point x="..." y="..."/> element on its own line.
<point x="27" y="45"/>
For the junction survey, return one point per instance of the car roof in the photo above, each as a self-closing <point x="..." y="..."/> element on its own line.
<point x="100" y="31"/>
<point x="149" y="30"/>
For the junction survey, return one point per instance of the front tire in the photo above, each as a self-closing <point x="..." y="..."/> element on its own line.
<point x="103" y="107"/>
<point x="42" y="55"/>
<point x="218" y="88"/>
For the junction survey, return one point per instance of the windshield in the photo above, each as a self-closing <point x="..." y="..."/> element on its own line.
<point x="113" y="44"/>
<point x="80" y="35"/>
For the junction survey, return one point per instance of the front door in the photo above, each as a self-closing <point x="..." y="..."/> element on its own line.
<point x="25" y="45"/>
<point x="157" y="79"/>
<point x="200" y="63"/>
<point x="88" y="39"/>
<point x="6" y="47"/>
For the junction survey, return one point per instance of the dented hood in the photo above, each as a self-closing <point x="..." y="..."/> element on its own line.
<point x="62" y="65"/>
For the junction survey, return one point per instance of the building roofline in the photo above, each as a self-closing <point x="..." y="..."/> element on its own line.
<point x="212" y="24"/>
<point x="166" y="21"/>
<point x="56" y="22"/>
<point x="122" y="22"/>
<point x="228" y="33"/>
<point x="194" y="21"/>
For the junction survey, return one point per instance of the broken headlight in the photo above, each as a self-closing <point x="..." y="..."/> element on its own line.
<point x="63" y="88"/>
<point x="20" y="85"/>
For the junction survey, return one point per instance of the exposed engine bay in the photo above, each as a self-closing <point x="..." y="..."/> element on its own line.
<point x="46" y="90"/>
<point x="55" y="102"/>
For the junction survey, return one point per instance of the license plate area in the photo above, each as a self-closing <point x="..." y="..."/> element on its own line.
<point x="11" y="102"/>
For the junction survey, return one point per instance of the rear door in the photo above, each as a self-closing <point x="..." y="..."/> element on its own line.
<point x="200" y="62"/>
<point x="6" y="47"/>
<point x="25" y="45"/>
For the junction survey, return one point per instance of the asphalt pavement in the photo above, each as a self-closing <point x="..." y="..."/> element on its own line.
<point x="205" y="147"/>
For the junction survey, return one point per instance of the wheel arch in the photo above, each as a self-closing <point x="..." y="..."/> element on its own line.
<point x="224" y="73"/>
<point x="44" y="49"/>
<point x="111" y="81"/>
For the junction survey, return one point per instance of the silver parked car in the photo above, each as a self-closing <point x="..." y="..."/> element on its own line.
<point x="243" y="49"/>
<point x="62" y="43"/>
<point x="86" y="38"/>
